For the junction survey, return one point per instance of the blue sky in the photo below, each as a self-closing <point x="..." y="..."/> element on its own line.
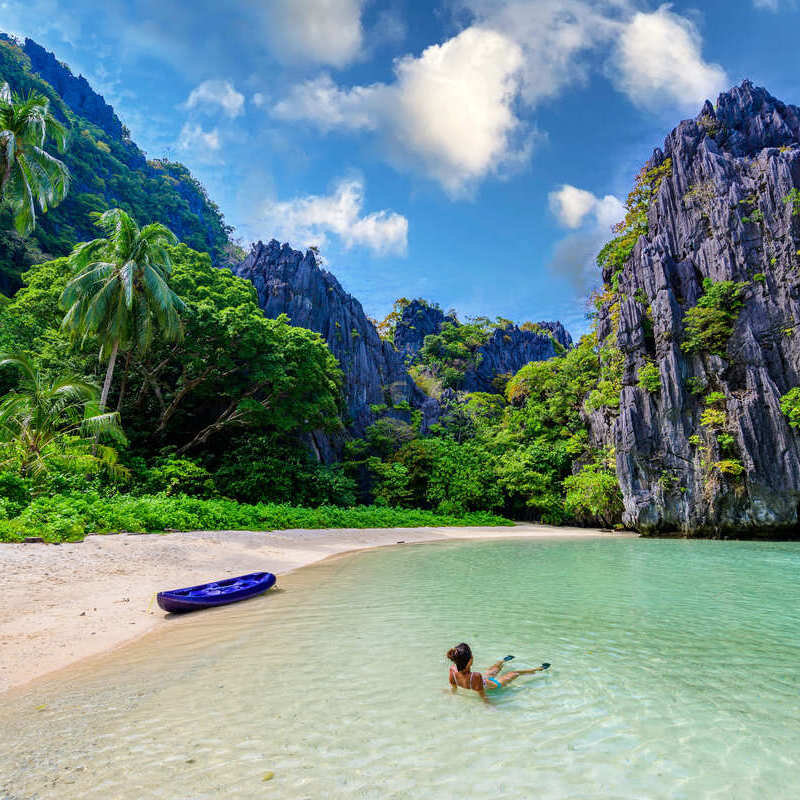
<point x="473" y="152"/>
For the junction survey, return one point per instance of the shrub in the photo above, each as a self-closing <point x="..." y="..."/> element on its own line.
<point x="593" y="495"/>
<point x="179" y="476"/>
<point x="650" y="377"/>
<point x="754" y="218"/>
<point x="263" y="469"/>
<point x="793" y="199"/>
<point x="726" y="441"/>
<point x="713" y="418"/>
<point x="387" y="435"/>
<point x="695" y="385"/>
<point x="709" y="324"/>
<point x="15" y="492"/>
<point x="790" y="405"/>
<point x="606" y="395"/>
<point x="72" y="516"/>
<point x="729" y="466"/>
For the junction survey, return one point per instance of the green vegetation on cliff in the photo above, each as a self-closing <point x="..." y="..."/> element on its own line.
<point x="106" y="171"/>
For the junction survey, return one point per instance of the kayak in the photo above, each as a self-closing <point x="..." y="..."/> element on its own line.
<point x="217" y="593"/>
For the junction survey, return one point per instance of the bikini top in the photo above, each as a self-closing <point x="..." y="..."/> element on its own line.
<point x="454" y="672"/>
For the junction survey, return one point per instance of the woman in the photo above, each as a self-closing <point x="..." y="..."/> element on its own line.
<point x="461" y="674"/>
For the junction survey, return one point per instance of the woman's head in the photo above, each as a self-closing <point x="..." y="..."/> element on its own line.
<point x="460" y="655"/>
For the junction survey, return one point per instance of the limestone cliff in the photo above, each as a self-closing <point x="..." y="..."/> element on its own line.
<point x="706" y="448"/>
<point x="506" y="350"/>
<point x="290" y="282"/>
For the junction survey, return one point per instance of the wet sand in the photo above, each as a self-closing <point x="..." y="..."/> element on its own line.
<point x="63" y="603"/>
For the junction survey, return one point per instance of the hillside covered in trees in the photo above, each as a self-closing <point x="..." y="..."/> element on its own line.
<point x="107" y="170"/>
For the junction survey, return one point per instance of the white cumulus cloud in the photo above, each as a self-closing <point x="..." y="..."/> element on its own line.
<point x="659" y="58"/>
<point x="590" y="218"/>
<point x="314" y="31"/>
<point x="306" y="221"/>
<point x="216" y="94"/>
<point x="572" y="206"/>
<point x="455" y="111"/>
<point x="193" y="137"/>
<point x="555" y="36"/>
<point x="449" y="112"/>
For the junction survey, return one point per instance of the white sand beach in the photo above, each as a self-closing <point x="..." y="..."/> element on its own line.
<point x="63" y="603"/>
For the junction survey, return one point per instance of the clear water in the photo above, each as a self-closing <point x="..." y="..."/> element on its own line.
<point x="675" y="675"/>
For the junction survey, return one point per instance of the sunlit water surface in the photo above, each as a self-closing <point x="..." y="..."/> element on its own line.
<point x="675" y="675"/>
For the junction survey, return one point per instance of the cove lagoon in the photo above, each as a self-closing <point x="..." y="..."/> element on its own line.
<point x="675" y="675"/>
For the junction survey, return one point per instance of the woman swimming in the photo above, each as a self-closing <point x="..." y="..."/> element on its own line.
<point x="461" y="674"/>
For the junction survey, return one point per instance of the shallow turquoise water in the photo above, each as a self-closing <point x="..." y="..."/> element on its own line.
<point x="675" y="675"/>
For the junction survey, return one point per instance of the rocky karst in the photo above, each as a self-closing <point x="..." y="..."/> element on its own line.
<point x="376" y="377"/>
<point x="506" y="350"/>
<point x="709" y="450"/>
<point x="290" y="282"/>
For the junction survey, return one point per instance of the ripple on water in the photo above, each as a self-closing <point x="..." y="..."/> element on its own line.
<point x="674" y="676"/>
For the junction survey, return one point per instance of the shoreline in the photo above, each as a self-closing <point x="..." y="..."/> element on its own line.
<point x="65" y="603"/>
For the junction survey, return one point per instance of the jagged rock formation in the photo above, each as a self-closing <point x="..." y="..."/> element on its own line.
<point x="560" y="333"/>
<point x="506" y="350"/>
<point x="509" y="349"/>
<point x="418" y="320"/>
<point x="722" y="214"/>
<point x="290" y="282"/>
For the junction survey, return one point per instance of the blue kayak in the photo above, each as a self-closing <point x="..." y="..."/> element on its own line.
<point x="218" y="593"/>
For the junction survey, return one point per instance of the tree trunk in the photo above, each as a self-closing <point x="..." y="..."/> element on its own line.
<point x="124" y="379"/>
<point x="109" y="375"/>
<point x="6" y="174"/>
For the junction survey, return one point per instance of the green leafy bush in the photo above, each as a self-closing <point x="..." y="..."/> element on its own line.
<point x="439" y="473"/>
<point x="790" y="405"/>
<point x="650" y="377"/>
<point x="72" y="516"/>
<point x="179" y="476"/>
<point x="729" y="466"/>
<point x="15" y="492"/>
<point x="713" y="418"/>
<point x="593" y="495"/>
<point x="754" y="218"/>
<point x="709" y="325"/>
<point x="269" y="469"/>
<point x="793" y="199"/>
<point x="695" y="385"/>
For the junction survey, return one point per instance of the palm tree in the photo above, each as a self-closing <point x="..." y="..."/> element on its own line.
<point x="120" y="292"/>
<point x="29" y="175"/>
<point x="50" y="424"/>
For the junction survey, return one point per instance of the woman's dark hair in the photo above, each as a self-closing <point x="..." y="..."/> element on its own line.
<point x="460" y="655"/>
